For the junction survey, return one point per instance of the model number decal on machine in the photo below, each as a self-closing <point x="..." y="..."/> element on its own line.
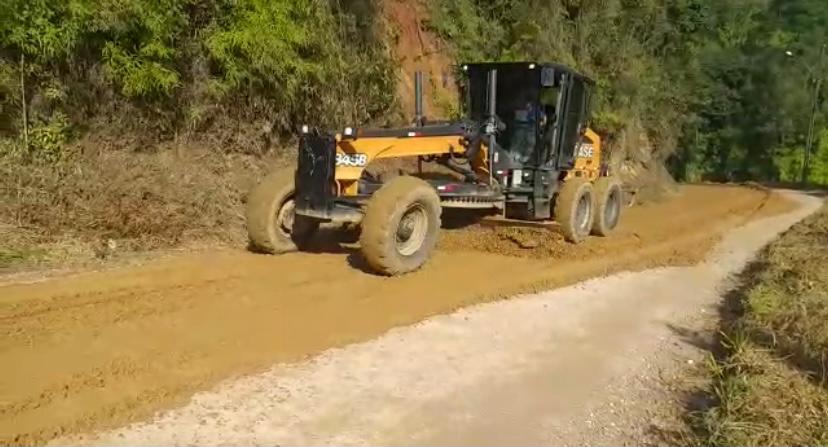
<point x="585" y="150"/>
<point x="351" y="160"/>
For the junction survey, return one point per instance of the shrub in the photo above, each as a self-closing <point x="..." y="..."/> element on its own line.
<point x="148" y="200"/>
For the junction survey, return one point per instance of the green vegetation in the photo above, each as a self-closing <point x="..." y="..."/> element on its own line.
<point x="703" y="86"/>
<point x="144" y="121"/>
<point x="10" y="257"/>
<point x="707" y="83"/>
<point x="770" y="387"/>
<point x="183" y="64"/>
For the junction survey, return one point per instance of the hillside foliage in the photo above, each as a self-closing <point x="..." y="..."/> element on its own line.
<point x="165" y="67"/>
<point x="723" y="90"/>
<point x="715" y="90"/>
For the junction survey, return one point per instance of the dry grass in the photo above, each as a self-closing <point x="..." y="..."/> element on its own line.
<point x="769" y="386"/>
<point x="100" y="203"/>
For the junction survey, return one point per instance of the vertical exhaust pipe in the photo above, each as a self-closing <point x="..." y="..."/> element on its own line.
<point x="492" y="95"/>
<point x="419" y="117"/>
<point x="491" y="121"/>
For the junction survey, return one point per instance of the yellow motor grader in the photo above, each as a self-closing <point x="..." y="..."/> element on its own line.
<point x="523" y="151"/>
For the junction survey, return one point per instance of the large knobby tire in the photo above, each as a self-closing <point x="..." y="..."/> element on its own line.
<point x="272" y="225"/>
<point x="401" y="225"/>
<point x="574" y="209"/>
<point x="608" y="197"/>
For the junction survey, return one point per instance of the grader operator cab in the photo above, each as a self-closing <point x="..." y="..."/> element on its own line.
<point x="523" y="151"/>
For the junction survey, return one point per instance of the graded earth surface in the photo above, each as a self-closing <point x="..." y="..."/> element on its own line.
<point x="310" y="348"/>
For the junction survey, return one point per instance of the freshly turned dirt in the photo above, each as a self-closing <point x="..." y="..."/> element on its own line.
<point x="689" y="225"/>
<point x="99" y="349"/>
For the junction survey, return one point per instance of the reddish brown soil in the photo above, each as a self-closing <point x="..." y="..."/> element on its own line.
<point x="418" y="49"/>
<point x="100" y="349"/>
<point x="692" y="217"/>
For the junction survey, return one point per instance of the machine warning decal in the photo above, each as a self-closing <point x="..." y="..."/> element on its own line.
<point x="351" y="160"/>
<point x="585" y="150"/>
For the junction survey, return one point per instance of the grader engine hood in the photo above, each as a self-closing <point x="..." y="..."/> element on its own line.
<point x="329" y="183"/>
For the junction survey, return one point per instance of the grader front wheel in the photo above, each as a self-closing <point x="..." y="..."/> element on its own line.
<point x="272" y="225"/>
<point x="401" y="225"/>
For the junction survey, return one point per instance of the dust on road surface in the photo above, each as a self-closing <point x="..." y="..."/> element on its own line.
<point x="101" y="349"/>
<point x="529" y="371"/>
<point x="564" y="367"/>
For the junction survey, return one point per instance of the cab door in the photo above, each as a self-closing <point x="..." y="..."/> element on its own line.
<point x="572" y="118"/>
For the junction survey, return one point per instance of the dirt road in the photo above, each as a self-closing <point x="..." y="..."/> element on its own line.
<point x="574" y="366"/>
<point x="101" y="349"/>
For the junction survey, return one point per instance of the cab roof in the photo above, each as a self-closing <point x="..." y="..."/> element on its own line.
<point x="528" y="65"/>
